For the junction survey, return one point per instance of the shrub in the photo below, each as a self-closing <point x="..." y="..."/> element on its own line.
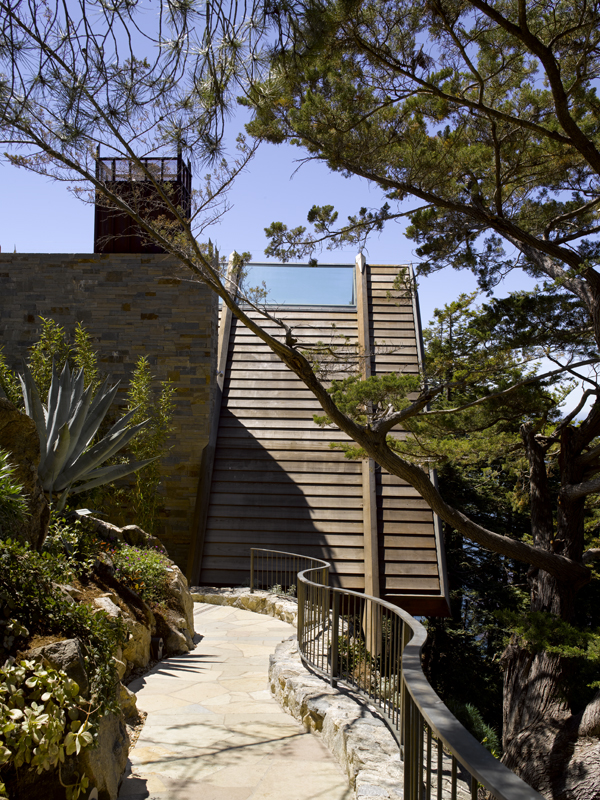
<point x="42" y="719"/>
<point x="13" y="506"/>
<point x="30" y="596"/>
<point x="150" y="443"/>
<point x="144" y="571"/>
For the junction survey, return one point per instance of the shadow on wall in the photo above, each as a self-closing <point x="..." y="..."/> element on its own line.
<point x="273" y="497"/>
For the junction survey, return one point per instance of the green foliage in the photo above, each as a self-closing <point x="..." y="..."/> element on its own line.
<point x="144" y="571"/>
<point x="54" y="347"/>
<point x="29" y="595"/>
<point x="9" y="383"/>
<point x="150" y="443"/>
<point x="69" y="462"/>
<point x="52" y="350"/>
<point x="454" y="107"/>
<point x="539" y="632"/>
<point x="42" y="719"/>
<point x="471" y="719"/>
<point x="481" y="385"/>
<point x="13" y="506"/>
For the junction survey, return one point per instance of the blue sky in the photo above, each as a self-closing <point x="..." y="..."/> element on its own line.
<point x="38" y="215"/>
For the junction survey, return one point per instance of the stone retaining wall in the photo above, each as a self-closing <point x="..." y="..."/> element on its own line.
<point x="132" y="305"/>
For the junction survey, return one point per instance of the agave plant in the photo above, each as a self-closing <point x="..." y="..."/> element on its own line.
<point x="67" y="425"/>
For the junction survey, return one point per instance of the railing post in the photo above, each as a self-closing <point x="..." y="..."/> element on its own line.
<point x="251" y="570"/>
<point x="335" y="632"/>
<point x="301" y="591"/>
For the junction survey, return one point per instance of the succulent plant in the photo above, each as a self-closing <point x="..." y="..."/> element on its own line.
<point x="67" y="426"/>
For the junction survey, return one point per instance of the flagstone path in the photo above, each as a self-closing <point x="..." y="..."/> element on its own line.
<point x="214" y="732"/>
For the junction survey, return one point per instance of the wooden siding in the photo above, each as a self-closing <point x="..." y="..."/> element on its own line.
<point x="276" y="482"/>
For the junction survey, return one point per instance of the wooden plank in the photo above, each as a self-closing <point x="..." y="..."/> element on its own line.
<point x="259" y="394"/>
<point x="339" y="515"/>
<point x="298" y="500"/>
<point x="399" y="515"/>
<point x="239" y="563"/>
<point x="273" y="538"/>
<point x="310" y="405"/>
<point x="290" y="446"/>
<point x="230" y="435"/>
<point x="220" y="549"/>
<point x="423" y="584"/>
<point x="311" y="491"/>
<point x="408" y="528"/>
<point x="409" y="555"/>
<point x="406" y="502"/>
<point x="290" y="316"/>
<point x="404" y="568"/>
<point x="261" y="414"/>
<point x="254" y="424"/>
<point x="301" y="479"/>
<point x="272" y="464"/>
<point x="424" y="542"/>
<point x="288" y="526"/>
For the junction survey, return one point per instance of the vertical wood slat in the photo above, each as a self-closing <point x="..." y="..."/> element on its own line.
<point x="208" y="454"/>
<point x="371" y="543"/>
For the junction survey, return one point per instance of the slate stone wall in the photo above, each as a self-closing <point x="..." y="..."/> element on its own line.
<point x="132" y="305"/>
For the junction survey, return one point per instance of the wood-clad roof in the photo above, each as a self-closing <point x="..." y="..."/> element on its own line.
<point x="276" y="482"/>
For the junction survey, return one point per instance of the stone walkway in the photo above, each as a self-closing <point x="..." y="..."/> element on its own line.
<point x="213" y="731"/>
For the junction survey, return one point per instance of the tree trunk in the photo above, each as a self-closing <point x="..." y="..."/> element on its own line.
<point x="551" y="746"/>
<point x="553" y="749"/>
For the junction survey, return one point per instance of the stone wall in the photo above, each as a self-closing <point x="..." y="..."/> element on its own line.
<point x="132" y="305"/>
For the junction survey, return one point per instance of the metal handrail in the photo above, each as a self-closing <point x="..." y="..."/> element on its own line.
<point x="375" y="648"/>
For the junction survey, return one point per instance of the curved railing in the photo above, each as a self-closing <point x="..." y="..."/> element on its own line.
<point x="375" y="648"/>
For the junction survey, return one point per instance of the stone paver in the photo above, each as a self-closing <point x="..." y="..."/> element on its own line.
<point x="213" y="730"/>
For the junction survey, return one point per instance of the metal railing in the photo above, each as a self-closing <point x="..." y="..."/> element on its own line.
<point x="374" y="648"/>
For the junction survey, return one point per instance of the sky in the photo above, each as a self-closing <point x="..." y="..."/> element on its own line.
<point x="38" y="215"/>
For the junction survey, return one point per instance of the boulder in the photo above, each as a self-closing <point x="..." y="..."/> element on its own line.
<point x="67" y="655"/>
<point x="175" y="642"/>
<point x="108" y="606"/>
<point x="137" y="649"/>
<point x="19" y="437"/>
<point x="130" y="534"/>
<point x="105" y="530"/>
<point x="179" y="591"/>
<point x="136" y="537"/>
<point x="105" y="763"/>
<point x="127" y="702"/>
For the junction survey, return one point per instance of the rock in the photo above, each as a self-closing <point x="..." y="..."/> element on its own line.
<point x="104" y="564"/>
<point x="175" y="642"/>
<point x="106" y="531"/>
<point x="76" y="594"/>
<point x="19" y="436"/>
<point x="127" y="702"/>
<point x="260" y="602"/>
<point x="130" y="534"/>
<point x="137" y="649"/>
<point x="67" y="655"/>
<point x="120" y="663"/>
<point x="105" y="763"/>
<point x="179" y="591"/>
<point x="136" y="537"/>
<point x="107" y="605"/>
